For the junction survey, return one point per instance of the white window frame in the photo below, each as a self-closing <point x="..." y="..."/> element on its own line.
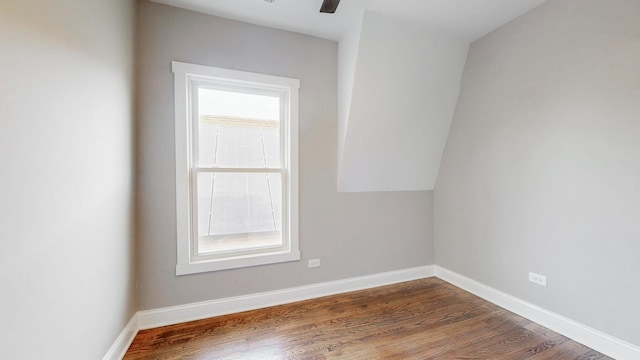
<point x="186" y="78"/>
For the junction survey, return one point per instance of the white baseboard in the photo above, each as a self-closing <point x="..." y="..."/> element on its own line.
<point x="581" y="333"/>
<point x="182" y="313"/>
<point x="124" y="340"/>
<point x="595" y="339"/>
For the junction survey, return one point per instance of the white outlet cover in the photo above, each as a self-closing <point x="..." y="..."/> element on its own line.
<point x="538" y="279"/>
<point x="314" y="263"/>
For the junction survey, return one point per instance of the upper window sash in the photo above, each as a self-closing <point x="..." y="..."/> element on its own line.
<point x="199" y="82"/>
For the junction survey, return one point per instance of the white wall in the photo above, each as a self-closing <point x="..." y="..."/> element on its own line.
<point x="541" y="171"/>
<point x="405" y="88"/>
<point x="352" y="234"/>
<point x="348" y="49"/>
<point x="66" y="270"/>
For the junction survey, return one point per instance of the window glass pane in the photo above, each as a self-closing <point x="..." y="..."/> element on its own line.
<point x="239" y="210"/>
<point x="238" y="129"/>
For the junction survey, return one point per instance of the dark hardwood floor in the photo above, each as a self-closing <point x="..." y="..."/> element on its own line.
<point x="422" y="319"/>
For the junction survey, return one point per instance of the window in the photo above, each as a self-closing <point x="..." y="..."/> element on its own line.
<point x="236" y="168"/>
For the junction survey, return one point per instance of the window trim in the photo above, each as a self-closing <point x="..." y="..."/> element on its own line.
<point x="185" y="75"/>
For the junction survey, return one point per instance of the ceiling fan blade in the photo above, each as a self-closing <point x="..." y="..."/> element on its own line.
<point x="329" y="6"/>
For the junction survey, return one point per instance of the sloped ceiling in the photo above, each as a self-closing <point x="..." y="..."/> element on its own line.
<point x="406" y="81"/>
<point x="400" y="66"/>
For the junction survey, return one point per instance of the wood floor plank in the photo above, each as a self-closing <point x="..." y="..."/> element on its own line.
<point x="422" y="319"/>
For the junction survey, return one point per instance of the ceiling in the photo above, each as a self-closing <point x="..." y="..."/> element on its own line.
<point x="465" y="19"/>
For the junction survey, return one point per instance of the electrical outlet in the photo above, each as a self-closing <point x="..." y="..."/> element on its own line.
<point x="314" y="263"/>
<point x="538" y="279"/>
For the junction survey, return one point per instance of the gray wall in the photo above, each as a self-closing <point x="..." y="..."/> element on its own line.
<point x="541" y="171"/>
<point x="66" y="243"/>
<point x="352" y="234"/>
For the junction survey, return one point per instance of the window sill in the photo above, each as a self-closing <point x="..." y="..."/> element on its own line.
<point x="237" y="262"/>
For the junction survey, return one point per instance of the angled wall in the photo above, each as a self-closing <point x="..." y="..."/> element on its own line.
<point x="406" y="82"/>
<point x="348" y="48"/>
<point x="541" y="170"/>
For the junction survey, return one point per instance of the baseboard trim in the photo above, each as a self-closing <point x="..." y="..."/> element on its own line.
<point x="182" y="313"/>
<point x="595" y="339"/>
<point x="124" y="340"/>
